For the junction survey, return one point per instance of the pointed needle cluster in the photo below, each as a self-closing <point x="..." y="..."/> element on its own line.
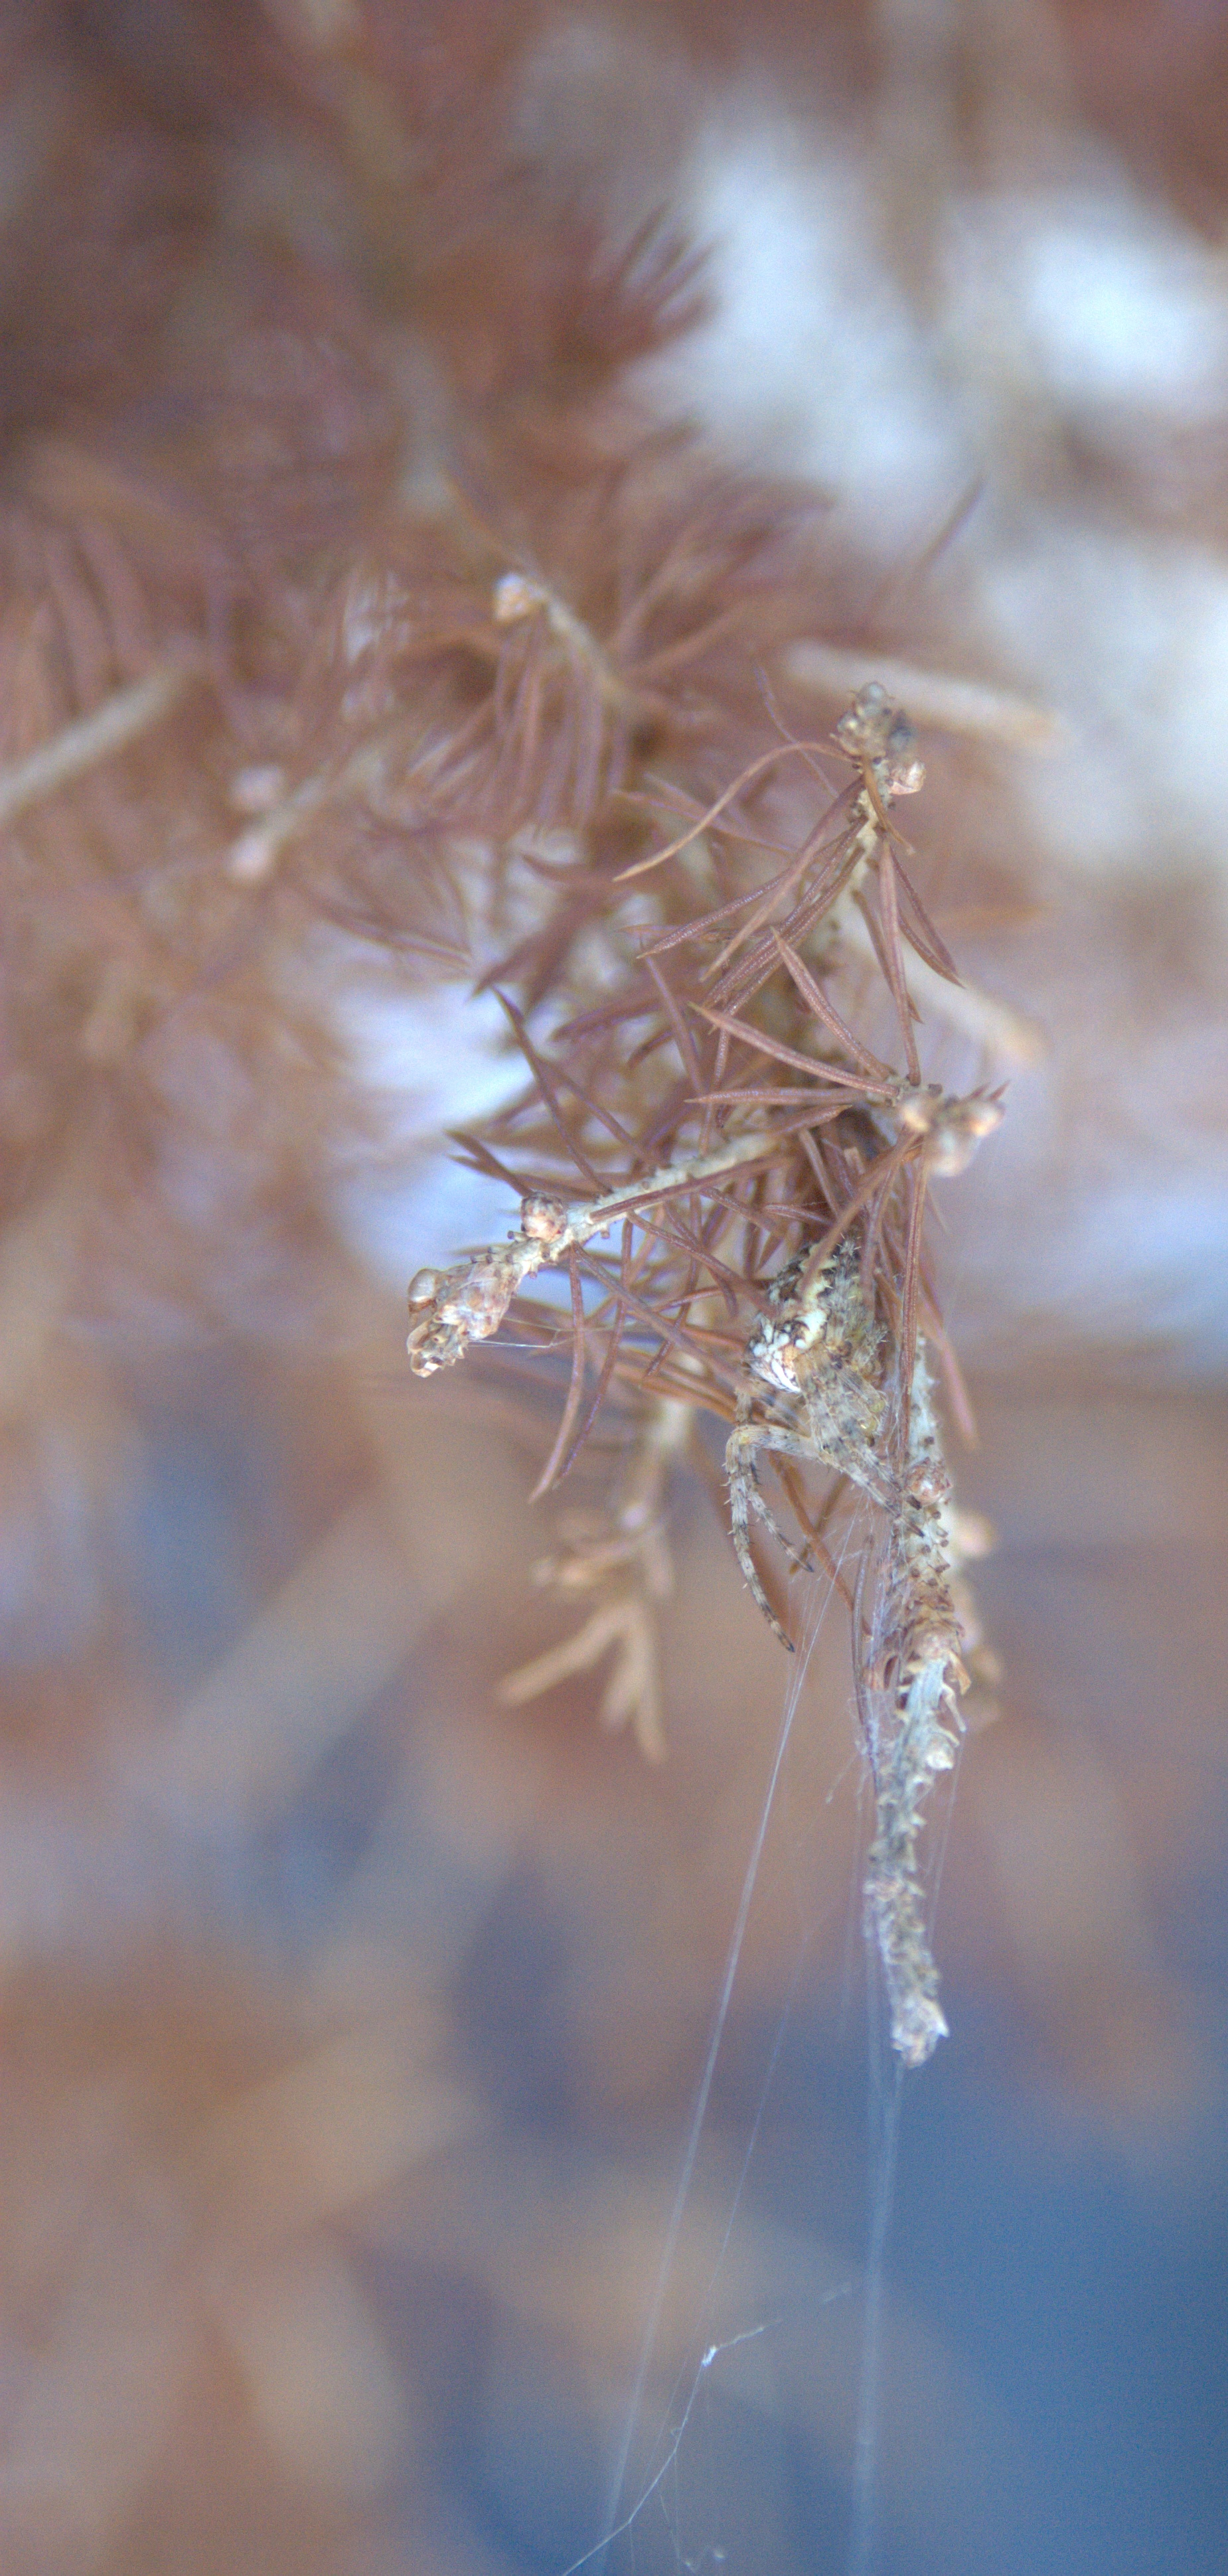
<point x="766" y="1168"/>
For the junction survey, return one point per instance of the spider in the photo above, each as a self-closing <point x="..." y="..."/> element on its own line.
<point x="818" y="1362"/>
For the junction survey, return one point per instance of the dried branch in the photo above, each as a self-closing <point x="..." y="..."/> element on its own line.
<point x="832" y="1173"/>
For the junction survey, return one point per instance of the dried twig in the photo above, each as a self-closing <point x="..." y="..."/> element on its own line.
<point x="109" y="728"/>
<point x="833" y="1378"/>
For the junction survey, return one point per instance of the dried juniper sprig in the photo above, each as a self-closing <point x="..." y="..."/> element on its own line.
<point x="618" y="1559"/>
<point x="469" y="1303"/>
<point x="831" y="1375"/>
<point x="910" y="1676"/>
<point x="756" y="1153"/>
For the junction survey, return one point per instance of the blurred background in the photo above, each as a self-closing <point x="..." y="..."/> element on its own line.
<point x="354" y="2020"/>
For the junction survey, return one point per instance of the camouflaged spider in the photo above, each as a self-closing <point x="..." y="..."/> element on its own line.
<point x="817" y="1360"/>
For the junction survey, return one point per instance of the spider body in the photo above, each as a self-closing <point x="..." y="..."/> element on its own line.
<point x="816" y="1359"/>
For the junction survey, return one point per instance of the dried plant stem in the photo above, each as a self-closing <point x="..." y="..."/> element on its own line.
<point x="120" y="720"/>
<point x="517" y="597"/>
<point x="832" y="1378"/>
<point x="825" y="1383"/>
<point x="621" y="1555"/>
<point x="910" y="1678"/>
<point x="469" y="1303"/>
<point x="932" y="697"/>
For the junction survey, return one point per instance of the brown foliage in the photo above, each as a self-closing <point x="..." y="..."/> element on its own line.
<point x="363" y="629"/>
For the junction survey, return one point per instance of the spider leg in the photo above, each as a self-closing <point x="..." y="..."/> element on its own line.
<point x="801" y="1563"/>
<point x="743" y="1488"/>
<point x="746" y="1496"/>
